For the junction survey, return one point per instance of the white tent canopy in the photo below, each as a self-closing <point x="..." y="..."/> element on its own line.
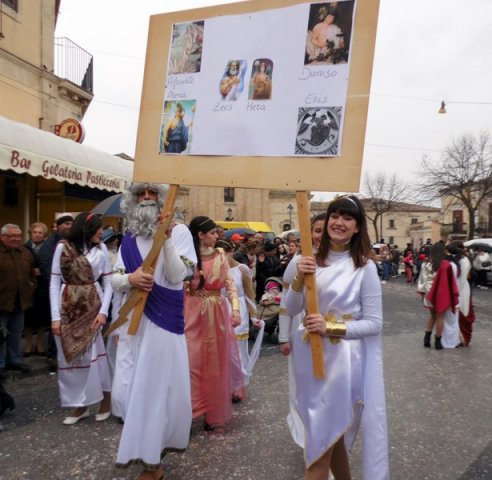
<point x="25" y="149"/>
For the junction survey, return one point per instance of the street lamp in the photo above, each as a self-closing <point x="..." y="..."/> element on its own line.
<point x="380" y="206"/>
<point x="290" y="208"/>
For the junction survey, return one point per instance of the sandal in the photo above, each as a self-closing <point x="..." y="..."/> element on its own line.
<point x="157" y="474"/>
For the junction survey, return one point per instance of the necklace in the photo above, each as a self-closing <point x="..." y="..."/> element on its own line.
<point x="336" y="247"/>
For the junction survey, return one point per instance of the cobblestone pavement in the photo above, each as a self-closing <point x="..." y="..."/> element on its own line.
<point x="439" y="412"/>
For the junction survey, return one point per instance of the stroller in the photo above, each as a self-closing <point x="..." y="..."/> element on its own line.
<point x="269" y="307"/>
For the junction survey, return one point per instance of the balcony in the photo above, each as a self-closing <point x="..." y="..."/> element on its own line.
<point x="74" y="64"/>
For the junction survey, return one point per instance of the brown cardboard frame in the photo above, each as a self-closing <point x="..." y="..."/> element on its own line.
<point x="297" y="173"/>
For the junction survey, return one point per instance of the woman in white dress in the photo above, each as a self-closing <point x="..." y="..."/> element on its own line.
<point x="79" y="308"/>
<point x="466" y="311"/>
<point x="350" y="323"/>
<point x="288" y="326"/>
<point x="243" y="279"/>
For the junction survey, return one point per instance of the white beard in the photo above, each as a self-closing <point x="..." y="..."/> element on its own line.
<point x="142" y="218"/>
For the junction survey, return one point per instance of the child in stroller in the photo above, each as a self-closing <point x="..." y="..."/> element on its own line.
<point x="269" y="308"/>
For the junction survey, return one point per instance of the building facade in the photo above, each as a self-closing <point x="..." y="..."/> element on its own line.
<point x="46" y="82"/>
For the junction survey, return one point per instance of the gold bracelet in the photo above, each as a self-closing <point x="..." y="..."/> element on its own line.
<point x="235" y="304"/>
<point x="297" y="284"/>
<point x="335" y="330"/>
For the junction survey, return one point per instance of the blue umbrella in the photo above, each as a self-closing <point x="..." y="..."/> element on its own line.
<point x="109" y="207"/>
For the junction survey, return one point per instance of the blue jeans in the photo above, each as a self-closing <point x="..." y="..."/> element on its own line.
<point x="386" y="270"/>
<point x="12" y="325"/>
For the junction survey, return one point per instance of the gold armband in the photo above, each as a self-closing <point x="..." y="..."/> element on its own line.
<point x="335" y="330"/>
<point x="235" y="304"/>
<point x="297" y="284"/>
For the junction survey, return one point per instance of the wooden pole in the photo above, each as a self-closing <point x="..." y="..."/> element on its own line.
<point x="137" y="298"/>
<point x="310" y="290"/>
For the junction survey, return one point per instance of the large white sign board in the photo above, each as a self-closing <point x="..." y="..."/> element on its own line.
<point x="260" y="94"/>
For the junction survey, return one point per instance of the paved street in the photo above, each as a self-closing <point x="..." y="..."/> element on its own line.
<point x="439" y="410"/>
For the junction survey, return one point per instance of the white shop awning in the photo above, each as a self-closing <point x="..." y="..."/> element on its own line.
<point x="25" y="149"/>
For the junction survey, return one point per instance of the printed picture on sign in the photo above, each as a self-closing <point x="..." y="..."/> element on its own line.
<point x="329" y="33"/>
<point x="232" y="82"/>
<point x="260" y="86"/>
<point x="186" y="48"/>
<point x="176" y="126"/>
<point x="318" y="131"/>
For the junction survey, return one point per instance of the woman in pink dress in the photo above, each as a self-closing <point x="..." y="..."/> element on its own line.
<point x="209" y="328"/>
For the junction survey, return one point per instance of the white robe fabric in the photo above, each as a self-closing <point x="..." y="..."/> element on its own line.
<point x="288" y="326"/>
<point x="151" y="388"/>
<point x="353" y="391"/>
<point x="248" y="358"/>
<point x="83" y="380"/>
<point x="451" y="331"/>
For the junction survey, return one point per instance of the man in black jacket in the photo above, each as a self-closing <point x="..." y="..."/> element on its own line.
<point x="267" y="265"/>
<point x="45" y="257"/>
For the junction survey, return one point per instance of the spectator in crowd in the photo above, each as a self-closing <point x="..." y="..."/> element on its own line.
<point x="151" y="388"/>
<point x="237" y="241"/>
<point x="79" y="309"/>
<point x="482" y="265"/>
<point x="36" y="317"/>
<point x="17" y="287"/>
<point x="267" y="265"/>
<point x="395" y="266"/>
<point x="408" y="261"/>
<point x="209" y="329"/>
<point x="220" y="233"/>
<point x="110" y="238"/>
<point x="45" y="258"/>
<point x="6" y="400"/>
<point x="385" y="256"/>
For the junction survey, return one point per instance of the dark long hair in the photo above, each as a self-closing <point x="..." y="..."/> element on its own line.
<point x="84" y="227"/>
<point x="437" y="255"/>
<point x="360" y="246"/>
<point x="200" y="224"/>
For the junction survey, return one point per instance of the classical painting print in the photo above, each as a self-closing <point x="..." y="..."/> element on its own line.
<point x="232" y="82"/>
<point x="177" y="126"/>
<point x="329" y="33"/>
<point x="260" y="85"/>
<point x="318" y="131"/>
<point x="186" y="48"/>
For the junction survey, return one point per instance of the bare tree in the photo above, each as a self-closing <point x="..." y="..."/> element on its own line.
<point x="384" y="192"/>
<point x="463" y="174"/>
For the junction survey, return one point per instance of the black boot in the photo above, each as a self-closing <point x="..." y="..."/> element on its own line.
<point x="427" y="339"/>
<point x="437" y="343"/>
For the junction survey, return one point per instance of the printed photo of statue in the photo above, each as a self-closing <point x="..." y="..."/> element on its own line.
<point x="232" y="82"/>
<point x="176" y="126"/>
<point x="318" y="131"/>
<point x="329" y="33"/>
<point x="186" y="48"/>
<point x="260" y="86"/>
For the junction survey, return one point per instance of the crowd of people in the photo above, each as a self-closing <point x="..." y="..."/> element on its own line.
<point x="191" y="356"/>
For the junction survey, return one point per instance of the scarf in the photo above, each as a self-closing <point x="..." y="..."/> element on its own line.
<point x="80" y="303"/>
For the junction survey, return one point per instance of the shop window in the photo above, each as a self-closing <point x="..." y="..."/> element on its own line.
<point x="229" y="195"/>
<point x="13" y="4"/>
<point x="11" y="193"/>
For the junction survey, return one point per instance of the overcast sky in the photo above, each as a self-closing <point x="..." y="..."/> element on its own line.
<point x="426" y="51"/>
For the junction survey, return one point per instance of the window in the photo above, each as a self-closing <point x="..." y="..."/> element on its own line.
<point x="414" y="221"/>
<point x="229" y="195"/>
<point x="392" y="240"/>
<point x="457" y="221"/>
<point x="391" y="225"/>
<point x="13" y="4"/>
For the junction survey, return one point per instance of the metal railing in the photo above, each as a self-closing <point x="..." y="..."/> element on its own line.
<point x="73" y="63"/>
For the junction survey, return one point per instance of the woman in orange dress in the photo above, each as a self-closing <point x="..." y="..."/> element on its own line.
<point x="209" y="328"/>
